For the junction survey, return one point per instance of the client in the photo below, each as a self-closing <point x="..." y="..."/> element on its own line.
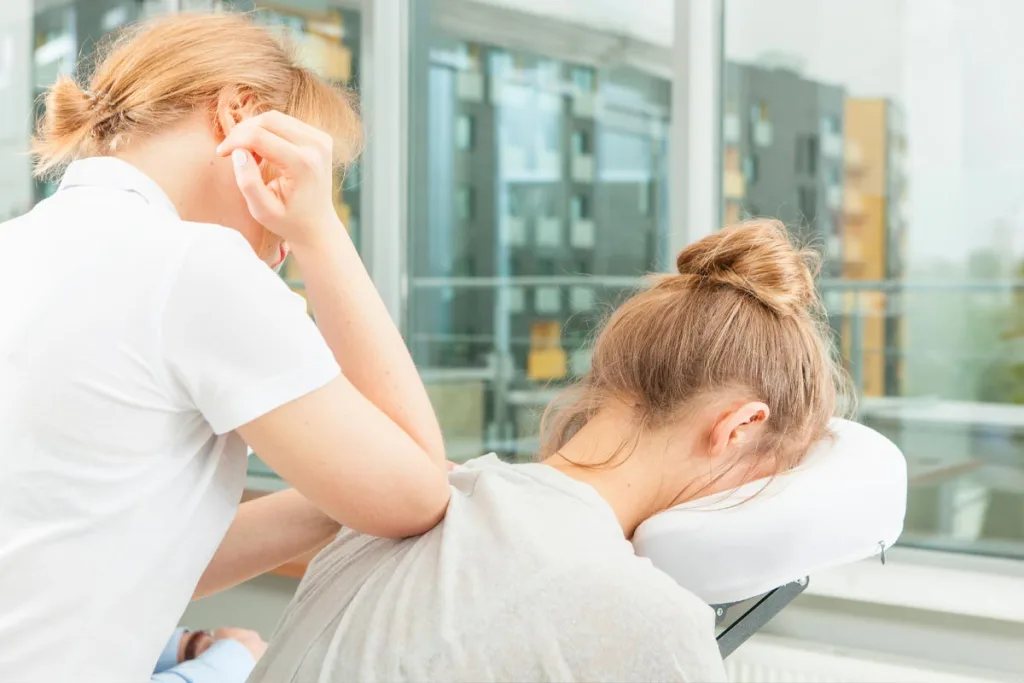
<point x="717" y="376"/>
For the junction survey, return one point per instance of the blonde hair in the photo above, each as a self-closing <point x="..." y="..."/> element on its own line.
<point x="742" y="315"/>
<point x="159" y="72"/>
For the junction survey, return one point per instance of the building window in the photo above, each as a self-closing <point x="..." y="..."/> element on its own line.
<point x="807" y="201"/>
<point x="465" y="132"/>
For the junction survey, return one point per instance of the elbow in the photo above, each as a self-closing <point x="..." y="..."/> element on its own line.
<point x="422" y="512"/>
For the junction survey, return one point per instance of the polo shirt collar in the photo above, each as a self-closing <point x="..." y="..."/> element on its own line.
<point x="117" y="174"/>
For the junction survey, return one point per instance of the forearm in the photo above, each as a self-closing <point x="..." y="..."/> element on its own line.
<point x="365" y="341"/>
<point x="266" y="533"/>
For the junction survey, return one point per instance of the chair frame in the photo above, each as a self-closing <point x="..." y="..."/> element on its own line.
<point x="751" y="621"/>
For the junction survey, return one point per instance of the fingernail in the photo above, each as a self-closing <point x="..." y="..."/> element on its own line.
<point x="239" y="157"/>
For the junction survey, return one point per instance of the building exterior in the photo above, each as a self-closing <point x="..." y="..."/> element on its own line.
<point x="831" y="168"/>
<point x="873" y="242"/>
<point x="783" y="153"/>
<point x="540" y="171"/>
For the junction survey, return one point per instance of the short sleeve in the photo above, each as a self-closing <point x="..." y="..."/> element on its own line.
<point x="237" y="341"/>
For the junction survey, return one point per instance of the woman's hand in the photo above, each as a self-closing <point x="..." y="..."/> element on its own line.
<point x="298" y="204"/>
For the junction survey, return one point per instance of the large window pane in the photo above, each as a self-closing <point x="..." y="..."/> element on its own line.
<point x="900" y="158"/>
<point x="538" y="201"/>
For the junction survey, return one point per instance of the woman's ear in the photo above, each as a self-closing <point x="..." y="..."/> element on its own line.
<point x="233" y="107"/>
<point x="739" y="427"/>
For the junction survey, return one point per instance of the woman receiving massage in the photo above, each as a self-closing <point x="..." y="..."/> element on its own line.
<point x="716" y="376"/>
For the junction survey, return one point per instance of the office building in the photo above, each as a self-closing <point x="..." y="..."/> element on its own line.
<point x="782" y="153"/>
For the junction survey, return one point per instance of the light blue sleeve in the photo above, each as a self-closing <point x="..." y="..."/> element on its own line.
<point x="169" y="657"/>
<point x="227" y="661"/>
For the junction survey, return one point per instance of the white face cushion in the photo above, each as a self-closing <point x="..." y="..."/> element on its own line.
<point x="845" y="502"/>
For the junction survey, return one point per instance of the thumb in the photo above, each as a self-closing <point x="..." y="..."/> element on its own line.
<point x="262" y="203"/>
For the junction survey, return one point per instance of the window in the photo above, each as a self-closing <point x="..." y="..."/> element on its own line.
<point x="806" y="155"/>
<point x="581" y="144"/>
<point x="466" y="202"/>
<point x="924" y="268"/>
<point x="812" y="154"/>
<point x="580" y="207"/>
<point x="807" y="201"/>
<point x="465" y="132"/>
<point x="588" y="217"/>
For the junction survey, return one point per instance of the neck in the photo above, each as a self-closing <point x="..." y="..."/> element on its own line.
<point x="171" y="160"/>
<point x="637" y="476"/>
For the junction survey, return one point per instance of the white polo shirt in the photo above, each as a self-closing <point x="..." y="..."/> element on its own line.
<point x="132" y="344"/>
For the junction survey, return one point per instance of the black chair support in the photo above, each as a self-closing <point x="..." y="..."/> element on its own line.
<point x="763" y="610"/>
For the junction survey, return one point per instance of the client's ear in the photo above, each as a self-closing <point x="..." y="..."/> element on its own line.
<point x="739" y="427"/>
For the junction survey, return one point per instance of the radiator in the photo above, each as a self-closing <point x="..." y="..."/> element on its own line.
<point x="773" y="659"/>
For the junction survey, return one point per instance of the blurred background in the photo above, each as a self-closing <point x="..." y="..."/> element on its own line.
<point x="529" y="160"/>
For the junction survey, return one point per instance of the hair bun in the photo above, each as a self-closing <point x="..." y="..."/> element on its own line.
<point x="67" y="125"/>
<point x="757" y="258"/>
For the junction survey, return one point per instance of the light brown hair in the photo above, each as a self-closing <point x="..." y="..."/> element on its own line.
<point x="742" y="317"/>
<point x="156" y="73"/>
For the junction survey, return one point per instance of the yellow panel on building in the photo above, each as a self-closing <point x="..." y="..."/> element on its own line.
<point x="866" y="236"/>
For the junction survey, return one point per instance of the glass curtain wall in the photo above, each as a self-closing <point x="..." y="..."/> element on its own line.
<point x="538" y="201"/>
<point x="903" y="164"/>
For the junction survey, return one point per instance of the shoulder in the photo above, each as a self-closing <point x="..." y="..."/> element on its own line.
<point x="221" y="287"/>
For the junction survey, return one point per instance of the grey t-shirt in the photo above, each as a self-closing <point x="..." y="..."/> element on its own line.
<point x="529" y="578"/>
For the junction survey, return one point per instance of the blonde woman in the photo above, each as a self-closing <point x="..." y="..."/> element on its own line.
<point x="145" y="340"/>
<point x="716" y="376"/>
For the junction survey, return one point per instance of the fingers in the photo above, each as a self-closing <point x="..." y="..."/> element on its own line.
<point x="291" y="129"/>
<point x="285" y="141"/>
<point x="263" y="204"/>
<point x="266" y="144"/>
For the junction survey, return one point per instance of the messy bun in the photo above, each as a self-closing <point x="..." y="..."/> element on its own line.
<point x="742" y="321"/>
<point x="758" y="259"/>
<point x="65" y="131"/>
